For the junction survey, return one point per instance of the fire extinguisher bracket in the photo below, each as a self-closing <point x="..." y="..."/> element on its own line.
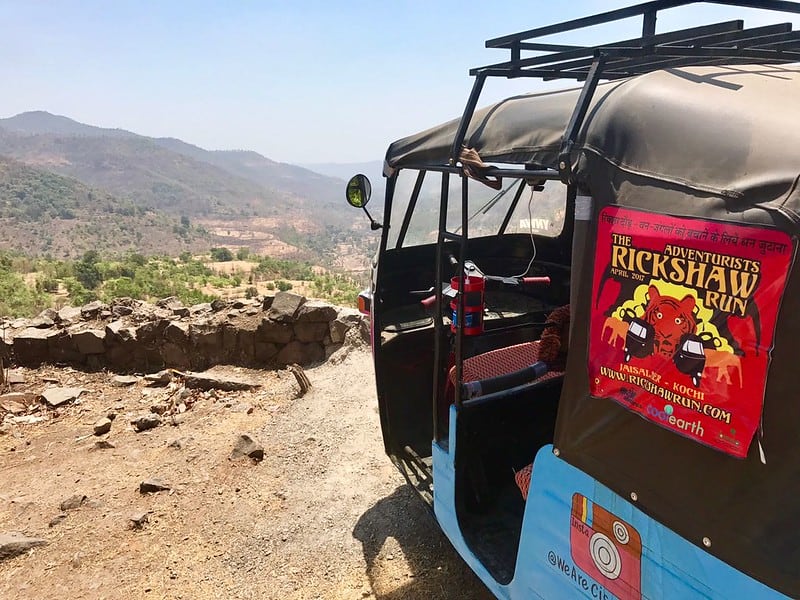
<point x="473" y="304"/>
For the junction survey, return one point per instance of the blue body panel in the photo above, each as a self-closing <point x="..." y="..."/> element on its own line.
<point x="581" y="540"/>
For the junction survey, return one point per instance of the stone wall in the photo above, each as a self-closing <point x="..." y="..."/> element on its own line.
<point x="132" y="336"/>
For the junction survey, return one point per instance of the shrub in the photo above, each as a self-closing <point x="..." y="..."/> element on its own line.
<point x="221" y="254"/>
<point x="19" y="300"/>
<point x="78" y="294"/>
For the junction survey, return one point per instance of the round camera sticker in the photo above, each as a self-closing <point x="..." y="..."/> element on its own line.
<point x="620" y="532"/>
<point x="605" y="555"/>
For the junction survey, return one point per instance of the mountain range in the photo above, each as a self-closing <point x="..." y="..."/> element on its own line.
<point x="200" y="197"/>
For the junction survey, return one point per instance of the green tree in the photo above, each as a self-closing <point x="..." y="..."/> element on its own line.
<point x="87" y="271"/>
<point x="221" y="254"/>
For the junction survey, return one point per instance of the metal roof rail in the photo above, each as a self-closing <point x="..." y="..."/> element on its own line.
<point x="726" y="43"/>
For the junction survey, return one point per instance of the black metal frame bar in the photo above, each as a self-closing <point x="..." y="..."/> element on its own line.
<point x="438" y="325"/>
<point x="647" y="10"/>
<point x="715" y="44"/>
<point x="512" y="207"/>
<point x="576" y="120"/>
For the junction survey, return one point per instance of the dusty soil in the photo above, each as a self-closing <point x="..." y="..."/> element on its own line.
<point x="323" y="515"/>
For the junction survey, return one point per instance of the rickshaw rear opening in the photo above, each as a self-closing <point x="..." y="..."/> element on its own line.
<point x="583" y="313"/>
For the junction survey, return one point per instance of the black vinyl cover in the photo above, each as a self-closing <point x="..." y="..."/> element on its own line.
<point x="748" y="509"/>
<point x="731" y="154"/>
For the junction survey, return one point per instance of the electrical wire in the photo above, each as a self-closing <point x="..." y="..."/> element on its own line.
<point x="533" y="241"/>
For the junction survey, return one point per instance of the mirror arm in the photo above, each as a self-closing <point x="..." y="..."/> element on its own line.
<point x="372" y="222"/>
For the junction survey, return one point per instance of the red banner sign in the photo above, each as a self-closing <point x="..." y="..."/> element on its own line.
<point x="683" y="317"/>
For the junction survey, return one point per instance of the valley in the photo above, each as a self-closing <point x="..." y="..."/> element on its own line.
<point x="68" y="187"/>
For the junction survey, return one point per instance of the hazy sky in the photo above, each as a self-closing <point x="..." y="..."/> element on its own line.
<point x="298" y="81"/>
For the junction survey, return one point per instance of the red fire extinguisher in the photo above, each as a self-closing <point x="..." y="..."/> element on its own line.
<point x="473" y="303"/>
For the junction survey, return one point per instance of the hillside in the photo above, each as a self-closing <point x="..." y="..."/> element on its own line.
<point x="39" y="121"/>
<point x="277" y="176"/>
<point x="45" y="213"/>
<point x="241" y="197"/>
<point x="139" y="169"/>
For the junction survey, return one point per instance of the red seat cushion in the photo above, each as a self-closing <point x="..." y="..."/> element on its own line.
<point x="523" y="479"/>
<point x="500" y="362"/>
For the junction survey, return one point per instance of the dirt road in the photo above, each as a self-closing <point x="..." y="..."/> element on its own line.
<point x="323" y="515"/>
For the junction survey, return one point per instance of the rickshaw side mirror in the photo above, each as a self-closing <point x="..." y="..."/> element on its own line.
<point x="359" y="190"/>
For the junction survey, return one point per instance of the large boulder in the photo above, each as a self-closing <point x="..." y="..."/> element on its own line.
<point x="93" y="309"/>
<point x="205" y="335"/>
<point x="276" y="333"/>
<point x="69" y="315"/>
<point x="177" y="333"/>
<point x="31" y="346"/>
<point x="285" y="306"/>
<point x="346" y="319"/>
<point x="310" y="331"/>
<point x="317" y="312"/>
<point x="89" y="341"/>
<point x="299" y="353"/>
<point x="63" y="350"/>
<point x="264" y="352"/>
<point x="175" y="356"/>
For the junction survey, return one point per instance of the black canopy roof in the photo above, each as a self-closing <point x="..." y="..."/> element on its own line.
<point x="724" y="130"/>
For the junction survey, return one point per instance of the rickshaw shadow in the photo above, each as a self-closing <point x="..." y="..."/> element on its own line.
<point x="432" y="569"/>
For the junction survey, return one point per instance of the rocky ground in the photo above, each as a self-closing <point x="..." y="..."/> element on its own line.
<point x="175" y="511"/>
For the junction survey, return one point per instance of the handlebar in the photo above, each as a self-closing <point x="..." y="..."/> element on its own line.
<point x="429" y="301"/>
<point x="535" y="280"/>
<point x="511" y="281"/>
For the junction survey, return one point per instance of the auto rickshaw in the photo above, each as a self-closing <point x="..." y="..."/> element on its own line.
<point x="584" y="315"/>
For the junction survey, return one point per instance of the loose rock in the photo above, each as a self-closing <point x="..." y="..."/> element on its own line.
<point x="61" y="395"/>
<point x="14" y="543"/>
<point x="124" y="380"/>
<point x="247" y="446"/>
<point x="138" y="519"/>
<point x="145" y="422"/>
<point x="15" y="377"/>
<point x="203" y="381"/>
<point x="27" y="420"/>
<point x="57" y="519"/>
<point x="150" y="486"/>
<point x="16" y="399"/>
<point x="11" y="406"/>
<point x="73" y="502"/>
<point x="103" y="445"/>
<point x="160" y="378"/>
<point x="179" y="442"/>
<point x="102" y="426"/>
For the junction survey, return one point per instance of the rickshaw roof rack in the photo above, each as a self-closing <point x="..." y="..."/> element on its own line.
<point x="726" y="43"/>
